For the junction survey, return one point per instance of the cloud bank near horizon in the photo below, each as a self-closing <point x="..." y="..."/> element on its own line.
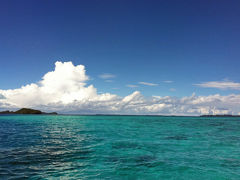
<point x="65" y="90"/>
<point x="224" y="85"/>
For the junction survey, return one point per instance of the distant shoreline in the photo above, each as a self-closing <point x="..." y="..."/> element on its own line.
<point x="27" y="111"/>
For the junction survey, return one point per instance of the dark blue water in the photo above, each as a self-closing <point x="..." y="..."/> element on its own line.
<point x="119" y="147"/>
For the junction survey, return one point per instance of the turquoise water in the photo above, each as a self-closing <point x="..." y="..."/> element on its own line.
<point x="119" y="147"/>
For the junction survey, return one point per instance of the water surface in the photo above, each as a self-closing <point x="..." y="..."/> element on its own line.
<point x="119" y="147"/>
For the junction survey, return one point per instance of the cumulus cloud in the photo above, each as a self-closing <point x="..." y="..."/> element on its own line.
<point x="66" y="84"/>
<point x="107" y="76"/>
<point x="220" y="85"/>
<point x="147" y="83"/>
<point x="2" y="97"/>
<point x="109" y="80"/>
<point x="168" y="81"/>
<point x="131" y="85"/>
<point x="65" y="90"/>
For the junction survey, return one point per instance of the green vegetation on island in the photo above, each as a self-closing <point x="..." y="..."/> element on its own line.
<point x="26" y="111"/>
<point x="220" y="115"/>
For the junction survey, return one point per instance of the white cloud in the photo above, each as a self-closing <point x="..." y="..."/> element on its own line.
<point x="220" y="85"/>
<point x="65" y="90"/>
<point x="109" y="80"/>
<point x="1" y="96"/>
<point x="147" y="83"/>
<point x="107" y="76"/>
<point x="168" y="81"/>
<point x="172" y="89"/>
<point x="131" y="85"/>
<point x="66" y="84"/>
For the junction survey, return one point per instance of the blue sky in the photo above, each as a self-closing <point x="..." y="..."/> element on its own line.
<point x="187" y="42"/>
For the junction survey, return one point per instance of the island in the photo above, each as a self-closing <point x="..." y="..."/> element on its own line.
<point x="27" y="111"/>
<point x="220" y="115"/>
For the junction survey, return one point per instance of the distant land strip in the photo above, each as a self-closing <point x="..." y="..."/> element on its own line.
<point x="26" y="111"/>
<point x="34" y="111"/>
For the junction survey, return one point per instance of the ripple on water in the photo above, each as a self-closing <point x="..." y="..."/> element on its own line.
<point x="125" y="145"/>
<point x="118" y="147"/>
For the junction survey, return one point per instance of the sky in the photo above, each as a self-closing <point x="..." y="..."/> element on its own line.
<point x="129" y="57"/>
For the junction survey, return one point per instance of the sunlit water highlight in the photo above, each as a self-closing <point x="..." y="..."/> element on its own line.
<point x="119" y="147"/>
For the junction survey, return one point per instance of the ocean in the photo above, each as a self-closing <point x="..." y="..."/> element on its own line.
<point x="119" y="147"/>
